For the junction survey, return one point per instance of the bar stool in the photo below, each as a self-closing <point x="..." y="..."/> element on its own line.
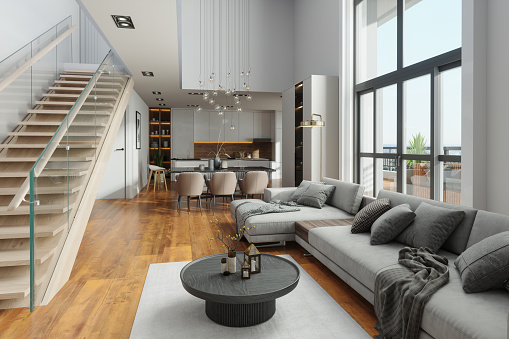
<point x="190" y="185"/>
<point x="222" y="184"/>
<point x="254" y="183"/>
<point x="157" y="172"/>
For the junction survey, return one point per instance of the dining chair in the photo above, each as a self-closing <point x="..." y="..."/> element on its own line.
<point x="222" y="184"/>
<point x="253" y="183"/>
<point x="190" y="185"/>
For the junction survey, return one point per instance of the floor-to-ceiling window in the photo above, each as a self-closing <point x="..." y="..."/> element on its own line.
<point x="408" y="97"/>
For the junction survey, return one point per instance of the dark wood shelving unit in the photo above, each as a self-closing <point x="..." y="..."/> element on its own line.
<point x="159" y="134"/>
<point x="299" y="138"/>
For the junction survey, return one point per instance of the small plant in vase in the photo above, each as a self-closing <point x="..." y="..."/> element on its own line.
<point x="217" y="154"/>
<point x="230" y="243"/>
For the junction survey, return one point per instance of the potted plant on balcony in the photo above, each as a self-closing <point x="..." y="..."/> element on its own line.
<point x="416" y="170"/>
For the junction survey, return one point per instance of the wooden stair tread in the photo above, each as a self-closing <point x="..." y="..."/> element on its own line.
<point x="69" y="103"/>
<point x="71" y="82"/>
<point x="46" y="173"/>
<point x="57" y="95"/>
<point x="63" y="111"/>
<point x="52" y="159"/>
<point x="89" y="76"/>
<point x="22" y="257"/>
<point x="13" y="288"/>
<point x="55" y="123"/>
<point x="73" y="145"/>
<point x="99" y="89"/>
<point x="42" y="209"/>
<point x="50" y="134"/>
<point x="23" y="231"/>
<point x="55" y="189"/>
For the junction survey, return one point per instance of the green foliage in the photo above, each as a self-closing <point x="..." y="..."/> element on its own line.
<point x="158" y="158"/>
<point x="417" y="145"/>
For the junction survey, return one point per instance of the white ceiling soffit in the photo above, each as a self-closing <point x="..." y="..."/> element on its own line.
<point x="153" y="46"/>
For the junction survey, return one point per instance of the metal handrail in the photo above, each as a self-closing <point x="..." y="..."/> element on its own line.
<point x="19" y="71"/>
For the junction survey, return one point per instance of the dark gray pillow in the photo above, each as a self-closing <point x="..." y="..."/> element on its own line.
<point x="391" y="224"/>
<point x="316" y="195"/>
<point x="485" y="264"/>
<point x="302" y="188"/>
<point x="367" y="216"/>
<point x="431" y="227"/>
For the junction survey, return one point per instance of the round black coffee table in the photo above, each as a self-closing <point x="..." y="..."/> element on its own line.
<point x="236" y="302"/>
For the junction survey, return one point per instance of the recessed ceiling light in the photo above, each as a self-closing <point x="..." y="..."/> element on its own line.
<point x="147" y="73"/>
<point x="123" y="21"/>
<point x="162" y="104"/>
<point x="195" y="93"/>
<point x="156" y="93"/>
<point x="192" y="105"/>
<point x="159" y="99"/>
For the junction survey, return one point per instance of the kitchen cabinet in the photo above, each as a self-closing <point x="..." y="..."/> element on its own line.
<point x="216" y="127"/>
<point x="201" y="126"/>
<point x="245" y="126"/>
<point x="231" y="119"/>
<point x="182" y="128"/>
<point x="262" y="125"/>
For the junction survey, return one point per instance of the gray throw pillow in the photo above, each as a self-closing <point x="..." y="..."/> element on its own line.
<point x="485" y="264"/>
<point x="431" y="227"/>
<point x="302" y="188"/>
<point x="367" y="216"/>
<point x="391" y="224"/>
<point x="316" y="195"/>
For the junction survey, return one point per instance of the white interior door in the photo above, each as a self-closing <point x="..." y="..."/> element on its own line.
<point x="113" y="185"/>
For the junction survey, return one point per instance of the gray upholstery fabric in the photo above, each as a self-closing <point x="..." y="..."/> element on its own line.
<point x="485" y="264"/>
<point x="316" y="195"/>
<point x="447" y="314"/>
<point x="367" y="216"/>
<point x="391" y="224"/>
<point x="303" y="187"/>
<point x="457" y="242"/>
<point x="279" y="193"/>
<point x="282" y="224"/>
<point x="431" y="227"/>
<point x="487" y="224"/>
<point x="347" y="196"/>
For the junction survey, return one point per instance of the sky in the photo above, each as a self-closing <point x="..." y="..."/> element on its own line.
<point x="431" y="27"/>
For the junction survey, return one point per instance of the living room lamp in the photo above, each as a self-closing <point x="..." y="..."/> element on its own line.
<point x="253" y="257"/>
<point x="313" y="123"/>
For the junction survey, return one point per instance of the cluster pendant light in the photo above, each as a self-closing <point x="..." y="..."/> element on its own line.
<point x="224" y="52"/>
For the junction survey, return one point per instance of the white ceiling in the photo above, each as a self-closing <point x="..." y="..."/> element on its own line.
<point x="153" y="46"/>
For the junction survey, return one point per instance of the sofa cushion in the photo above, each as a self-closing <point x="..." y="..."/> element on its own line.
<point x="347" y="196"/>
<point x="316" y="195"/>
<point x="278" y="193"/>
<point x="431" y="227"/>
<point x="279" y="223"/>
<point x="457" y="242"/>
<point x="303" y="187"/>
<point x="367" y="216"/>
<point x="485" y="264"/>
<point x="487" y="224"/>
<point x="391" y="224"/>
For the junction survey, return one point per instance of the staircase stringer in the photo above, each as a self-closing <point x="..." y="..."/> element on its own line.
<point x="82" y="212"/>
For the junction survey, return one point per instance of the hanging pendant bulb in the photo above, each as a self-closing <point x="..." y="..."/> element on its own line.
<point x="214" y="93"/>
<point x="201" y="83"/>
<point x="228" y="92"/>
<point x="249" y="97"/>
<point x="244" y="86"/>
<point x="217" y="107"/>
<point x="242" y="73"/>
<point x="248" y="73"/>
<point x="220" y="87"/>
<point x="228" y="75"/>
<point x="213" y="74"/>
<point x="199" y="108"/>
<point x="211" y="79"/>
<point x="239" y="109"/>
<point x="248" y="88"/>
<point x="232" y="127"/>
<point x="233" y="91"/>
<point x="220" y="113"/>
<point x="212" y="101"/>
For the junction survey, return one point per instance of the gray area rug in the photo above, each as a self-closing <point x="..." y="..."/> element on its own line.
<point x="166" y="310"/>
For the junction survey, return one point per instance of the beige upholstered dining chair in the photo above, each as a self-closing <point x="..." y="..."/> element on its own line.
<point x="254" y="183"/>
<point x="222" y="184"/>
<point x="190" y="185"/>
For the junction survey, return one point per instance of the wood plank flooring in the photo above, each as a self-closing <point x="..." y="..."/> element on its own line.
<point x="122" y="239"/>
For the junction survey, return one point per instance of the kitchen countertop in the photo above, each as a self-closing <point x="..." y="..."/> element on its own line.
<point x="260" y="159"/>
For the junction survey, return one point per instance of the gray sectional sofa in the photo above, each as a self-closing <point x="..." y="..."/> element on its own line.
<point x="450" y="313"/>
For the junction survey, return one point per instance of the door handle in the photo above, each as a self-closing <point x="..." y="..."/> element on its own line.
<point x="119" y="149"/>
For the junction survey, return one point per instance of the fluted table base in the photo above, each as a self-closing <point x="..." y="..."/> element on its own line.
<point x="240" y="315"/>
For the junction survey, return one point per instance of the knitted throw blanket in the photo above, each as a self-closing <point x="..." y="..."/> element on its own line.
<point x="247" y="209"/>
<point x="401" y="293"/>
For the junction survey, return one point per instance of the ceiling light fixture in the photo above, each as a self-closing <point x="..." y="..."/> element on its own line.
<point x="196" y="93"/>
<point x="162" y="104"/>
<point x="147" y="73"/>
<point x="159" y="99"/>
<point x="123" y="21"/>
<point x="156" y="93"/>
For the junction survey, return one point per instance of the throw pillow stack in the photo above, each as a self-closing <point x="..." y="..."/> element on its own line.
<point x="311" y="193"/>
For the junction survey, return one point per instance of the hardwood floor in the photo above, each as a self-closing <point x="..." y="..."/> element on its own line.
<point x="122" y="239"/>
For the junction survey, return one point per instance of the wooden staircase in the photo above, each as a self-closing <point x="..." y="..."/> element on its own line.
<point x="60" y="186"/>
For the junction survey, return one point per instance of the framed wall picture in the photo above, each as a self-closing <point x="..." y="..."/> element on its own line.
<point x="138" y="130"/>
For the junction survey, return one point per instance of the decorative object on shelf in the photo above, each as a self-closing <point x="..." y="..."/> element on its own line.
<point x="201" y="167"/>
<point x="217" y="162"/>
<point x="211" y="164"/>
<point x="253" y="257"/>
<point x="165" y="144"/>
<point x="315" y="123"/>
<point x="138" y="130"/>
<point x="230" y="243"/>
<point x="246" y="270"/>
<point x="163" y="132"/>
<point x="224" y="266"/>
<point x="224" y="164"/>
<point x="154" y="144"/>
<point x="232" y="262"/>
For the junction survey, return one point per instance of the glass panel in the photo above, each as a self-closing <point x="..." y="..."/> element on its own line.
<point x="417" y="177"/>
<point x="376" y="38"/>
<point x="366" y="117"/>
<point x="432" y="27"/>
<point x="417" y="115"/>
<point x="450" y="108"/>
<point x="386" y="174"/>
<point x="452" y="182"/>
<point x="387" y="119"/>
<point x="367" y="178"/>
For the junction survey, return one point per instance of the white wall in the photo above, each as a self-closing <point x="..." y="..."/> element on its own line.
<point x="271" y="45"/>
<point x="316" y="38"/>
<point x="137" y="159"/>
